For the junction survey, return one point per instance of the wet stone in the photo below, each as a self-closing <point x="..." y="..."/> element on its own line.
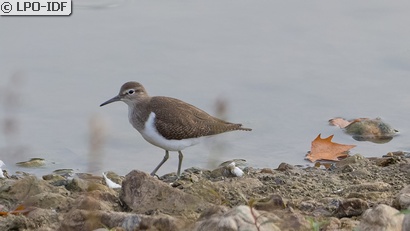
<point x="267" y="170"/>
<point x="351" y="207"/>
<point x="356" y="159"/>
<point x="381" y="217"/>
<point x="65" y="172"/>
<point x="402" y="199"/>
<point x="271" y="203"/>
<point x="32" y="163"/>
<point x="56" y="180"/>
<point x="285" y="167"/>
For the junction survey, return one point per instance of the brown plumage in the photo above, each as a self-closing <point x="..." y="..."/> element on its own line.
<point x="176" y="120"/>
<point x="167" y="122"/>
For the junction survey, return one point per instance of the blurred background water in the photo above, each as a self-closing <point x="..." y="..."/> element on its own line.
<point x="282" y="68"/>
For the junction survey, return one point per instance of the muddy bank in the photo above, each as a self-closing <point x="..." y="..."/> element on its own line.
<point x="354" y="194"/>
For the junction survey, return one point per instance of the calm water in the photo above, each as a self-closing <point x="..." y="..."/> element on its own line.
<point x="282" y="67"/>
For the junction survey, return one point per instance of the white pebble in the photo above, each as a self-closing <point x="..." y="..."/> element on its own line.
<point x="1" y="170"/>
<point x="235" y="170"/>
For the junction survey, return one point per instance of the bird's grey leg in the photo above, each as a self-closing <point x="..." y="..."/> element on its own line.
<point x="180" y="156"/>
<point x="161" y="163"/>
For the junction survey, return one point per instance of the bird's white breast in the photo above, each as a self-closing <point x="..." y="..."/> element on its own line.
<point x="151" y="134"/>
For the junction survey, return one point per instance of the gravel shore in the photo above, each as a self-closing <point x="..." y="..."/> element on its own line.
<point x="356" y="193"/>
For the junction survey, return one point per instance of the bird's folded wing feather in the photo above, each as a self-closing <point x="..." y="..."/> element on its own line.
<point x="178" y="120"/>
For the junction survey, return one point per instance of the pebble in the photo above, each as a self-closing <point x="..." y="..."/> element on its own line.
<point x="374" y="130"/>
<point x="382" y="217"/>
<point x="402" y="199"/>
<point x="32" y="163"/>
<point x="351" y="207"/>
<point x="1" y="170"/>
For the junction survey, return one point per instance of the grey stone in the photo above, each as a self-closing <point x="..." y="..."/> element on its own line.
<point x="381" y="218"/>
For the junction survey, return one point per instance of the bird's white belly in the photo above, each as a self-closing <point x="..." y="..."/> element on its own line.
<point x="151" y="135"/>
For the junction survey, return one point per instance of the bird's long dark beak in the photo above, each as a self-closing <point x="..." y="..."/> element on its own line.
<point x="115" y="99"/>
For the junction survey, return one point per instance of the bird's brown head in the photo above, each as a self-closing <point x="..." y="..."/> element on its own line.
<point x="129" y="93"/>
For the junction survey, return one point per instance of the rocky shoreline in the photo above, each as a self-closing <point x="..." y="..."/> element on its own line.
<point x="356" y="193"/>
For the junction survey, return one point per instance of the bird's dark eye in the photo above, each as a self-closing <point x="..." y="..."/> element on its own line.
<point x="130" y="92"/>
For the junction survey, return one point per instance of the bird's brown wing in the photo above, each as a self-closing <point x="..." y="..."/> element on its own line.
<point x="176" y="120"/>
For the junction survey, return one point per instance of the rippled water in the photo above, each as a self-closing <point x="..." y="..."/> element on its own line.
<point x="282" y="68"/>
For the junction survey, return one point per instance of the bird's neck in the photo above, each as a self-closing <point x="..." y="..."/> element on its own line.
<point x="138" y="113"/>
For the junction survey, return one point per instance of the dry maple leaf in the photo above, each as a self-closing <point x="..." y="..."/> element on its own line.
<point x="339" y="122"/>
<point x="342" y="123"/>
<point x="325" y="149"/>
<point x="20" y="209"/>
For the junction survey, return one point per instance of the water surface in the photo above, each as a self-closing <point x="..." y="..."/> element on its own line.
<point x="283" y="68"/>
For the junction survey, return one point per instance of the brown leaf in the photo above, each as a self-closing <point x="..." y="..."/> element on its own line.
<point x="339" y="122"/>
<point x="325" y="149"/>
<point x="342" y="123"/>
<point x="20" y="209"/>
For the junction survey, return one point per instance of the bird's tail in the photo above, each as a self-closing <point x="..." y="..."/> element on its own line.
<point x="240" y="128"/>
<point x="244" y="129"/>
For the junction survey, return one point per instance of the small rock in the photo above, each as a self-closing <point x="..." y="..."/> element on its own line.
<point x="406" y="222"/>
<point x="32" y="186"/>
<point x="284" y="167"/>
<point x="346" y="169"/>
<point x="49" y="200"/>
<point x="351" y="160"/>
<point x="397" y="153"/>
<point x="386" y="161"/>
<point x="32" y="163"/>
<point x="374" y="130"/>
<point x="56" y="180"/>
<point x="78" y="219"/>
<point x="405" y="168"/>
<point x="65" y="172"/>
<point x="372" y="196"/>
<point x="1" y="170"/>
<point x="402" y="199"/>
<point x="234" y="170"/>
<point x="361" y="173"/>
<point x="240" y="218"/>
<point x="144" y="193"/>
<point x="369" y="187"/>
<point x="351" y="207"/>
<point x="86" y="183"/>
<point x="271" y="203"/>
<point x="47" y="219"/>
<point x="229" y="169"/>
<point x="267" y="170"/>
<point x="77" y="185"/>
<point x="381" y="218"/>
<point x="343" y="224"/>
<point x="237" y="162"/>
<point x="86" y="202"/>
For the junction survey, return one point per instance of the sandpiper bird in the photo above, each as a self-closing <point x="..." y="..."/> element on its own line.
<point x="169" y="123"/>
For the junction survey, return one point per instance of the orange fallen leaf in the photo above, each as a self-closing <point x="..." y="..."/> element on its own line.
<point x="325" y="149"/>
<point x="20" y="209"/>
<point x="339" y="122"/>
